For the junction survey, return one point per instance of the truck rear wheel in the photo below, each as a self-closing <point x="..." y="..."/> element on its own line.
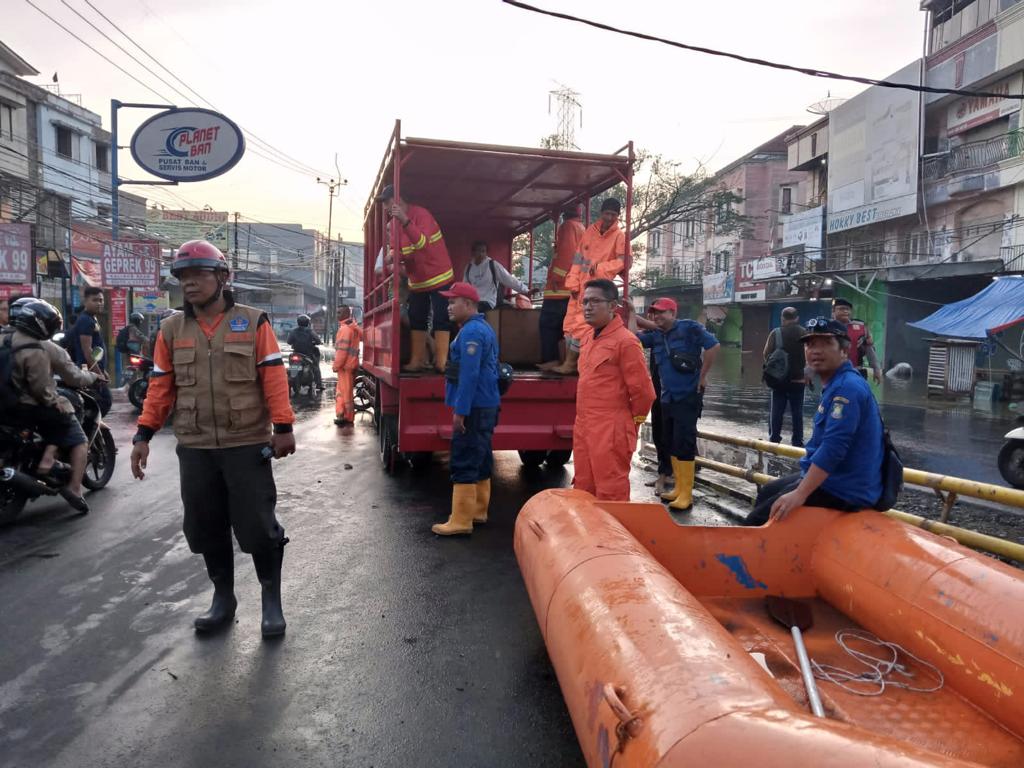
<point x="388" y="435"/>
<point x="556" y="459"/>
<point x="533" y="458"/>
<point x="420" y="460"/>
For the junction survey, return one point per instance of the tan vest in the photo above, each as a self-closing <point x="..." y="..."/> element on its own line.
<point x="219" y="399"/>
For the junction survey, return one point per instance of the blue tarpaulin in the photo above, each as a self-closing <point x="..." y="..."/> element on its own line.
<point x="995" y="309"/>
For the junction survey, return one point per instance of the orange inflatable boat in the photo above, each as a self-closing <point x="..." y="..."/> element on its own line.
<point x="651" y="627"/>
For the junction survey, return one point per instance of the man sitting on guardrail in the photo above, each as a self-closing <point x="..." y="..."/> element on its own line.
<point x="843" y="465"/>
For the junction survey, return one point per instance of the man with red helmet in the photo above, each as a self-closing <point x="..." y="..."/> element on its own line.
<point x="218" y="365"/>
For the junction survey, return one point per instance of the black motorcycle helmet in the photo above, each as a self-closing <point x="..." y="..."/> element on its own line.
<point x="303" y="321"/>
<point x="136" y="318"/>
<point x="38" y="318"/>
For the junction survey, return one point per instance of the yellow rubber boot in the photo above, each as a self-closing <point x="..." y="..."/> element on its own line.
<point x="569" y="367"/>
<point x="684" y="485"/>
<point x="673" y="494"/>
<point x="483" y="500"/>
<point x="418" y="352"/>
<point x="463" y="508"/>
<point x="441" y="341"/>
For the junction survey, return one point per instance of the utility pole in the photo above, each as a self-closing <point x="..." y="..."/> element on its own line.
<point x="234" y="259"/>
<point x="344" y="257"/>
<point x="333" y="190"/>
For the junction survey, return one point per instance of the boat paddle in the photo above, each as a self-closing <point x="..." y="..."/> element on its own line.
<point x="798" y="618"/>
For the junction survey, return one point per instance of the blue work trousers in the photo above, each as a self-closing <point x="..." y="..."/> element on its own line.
<point x="680" y="425"/>
<point x="790" y="396"/>
<point x="471" y="458"/>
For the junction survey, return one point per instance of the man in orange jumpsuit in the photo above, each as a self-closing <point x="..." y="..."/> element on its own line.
<point x="346" y="360"/>
<point x="429" y="268"/>
<point x="556" y="295"/>
<point x="613" y="397"/>
<point x="602" y="256"/>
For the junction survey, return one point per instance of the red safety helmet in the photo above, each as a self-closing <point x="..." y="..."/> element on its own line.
<point x="198" y="253"/>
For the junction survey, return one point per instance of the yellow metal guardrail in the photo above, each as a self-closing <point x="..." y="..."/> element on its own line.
<point x="968" y="538"/>
<point x="946" y="487"/>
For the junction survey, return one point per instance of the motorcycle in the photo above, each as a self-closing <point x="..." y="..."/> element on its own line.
<point x="143" y="367"/>
<point x="1011" y="458"/>
<point x="22" y="447"/>
<point x="301" y="373"/>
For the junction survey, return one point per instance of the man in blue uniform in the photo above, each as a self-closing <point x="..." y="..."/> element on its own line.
<point x="843" y="466"/>
<point x="684" y="352"/>
<point x="471" y="391"/>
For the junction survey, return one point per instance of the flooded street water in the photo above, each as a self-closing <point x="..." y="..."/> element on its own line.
<point x="946" y="437"/>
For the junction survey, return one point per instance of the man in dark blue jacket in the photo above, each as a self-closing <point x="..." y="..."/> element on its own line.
<point x="843" y="465"/>
<point x="471" y="391"/>
<point x="684" y="352"/>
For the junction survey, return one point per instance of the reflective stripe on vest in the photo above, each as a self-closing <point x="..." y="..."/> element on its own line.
<point x="432" y="282"/>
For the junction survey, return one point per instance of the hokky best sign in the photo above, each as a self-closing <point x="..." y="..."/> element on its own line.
<point x="130" y="265"/>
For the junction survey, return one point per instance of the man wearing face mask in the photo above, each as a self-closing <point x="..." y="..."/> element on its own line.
<point x="218" y="365"/>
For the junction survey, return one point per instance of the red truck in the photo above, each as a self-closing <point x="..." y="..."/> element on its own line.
<point x="476" y="192"/>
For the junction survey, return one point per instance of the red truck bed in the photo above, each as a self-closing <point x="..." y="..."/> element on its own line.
<point x="476" y="192"/>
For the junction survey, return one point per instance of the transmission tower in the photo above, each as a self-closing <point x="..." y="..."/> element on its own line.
<point x="568" y="110"/>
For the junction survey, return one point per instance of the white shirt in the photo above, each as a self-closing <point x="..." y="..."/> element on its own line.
<point x="481" y="277"/>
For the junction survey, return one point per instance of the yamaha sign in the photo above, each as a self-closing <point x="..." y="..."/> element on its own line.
<point x="188" y="145"/>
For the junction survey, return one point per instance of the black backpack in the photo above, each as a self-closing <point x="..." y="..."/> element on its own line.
<point x="121" y="343"/>
<point x="9" y="391"/>
<point x="892" y="473"/>
<point x="776" y="367"/>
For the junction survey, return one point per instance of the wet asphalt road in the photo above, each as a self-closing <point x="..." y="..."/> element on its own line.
<point x="403" y="649"/>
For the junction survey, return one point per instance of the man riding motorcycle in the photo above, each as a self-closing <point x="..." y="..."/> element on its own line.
<point x="303" y="340"/>
<point x="36" y="360"/>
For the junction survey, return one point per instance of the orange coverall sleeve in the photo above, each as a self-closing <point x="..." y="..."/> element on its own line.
<point x="273" y="378"/>
<point x="606" y="270"/>
<point x="638" y="380"/>
<point x="160" y="394"/>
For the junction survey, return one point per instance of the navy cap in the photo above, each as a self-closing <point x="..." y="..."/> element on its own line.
<point x="824" y="326"/>
<point x="387" y="193"/>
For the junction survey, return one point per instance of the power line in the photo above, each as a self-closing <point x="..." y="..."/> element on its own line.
<point x="258" y="150"/>
<point x="158" y="94"/>
<point x="98" y="53"/>
<point x="810" y="71"/>
<point x="129" y="38"/>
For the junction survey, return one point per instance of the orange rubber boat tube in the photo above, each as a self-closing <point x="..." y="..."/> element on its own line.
<point x="649" y="676"/>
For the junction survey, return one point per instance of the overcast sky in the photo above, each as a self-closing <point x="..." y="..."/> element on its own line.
<point x="315" y="77"/>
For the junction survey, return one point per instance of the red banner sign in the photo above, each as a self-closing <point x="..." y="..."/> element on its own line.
<point x="12" y="289"/>
<point x="118" y="308"/>
<point x="15" y="253"/>
<point x="130" y="265"/>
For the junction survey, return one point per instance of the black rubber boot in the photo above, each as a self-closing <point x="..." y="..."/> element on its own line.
<point x="221" y="568"/>
<point x="268" y="570"/>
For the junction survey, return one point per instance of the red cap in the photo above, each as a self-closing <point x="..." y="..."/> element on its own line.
<point x="662" y="305"/>
<point x="462" y="291"/>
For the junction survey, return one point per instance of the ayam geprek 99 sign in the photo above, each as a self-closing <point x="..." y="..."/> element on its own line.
<point x="130" y="265"/>
<point x="15" y="253"/>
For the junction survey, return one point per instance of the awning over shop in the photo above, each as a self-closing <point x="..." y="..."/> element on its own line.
<point x="998" y="307"/>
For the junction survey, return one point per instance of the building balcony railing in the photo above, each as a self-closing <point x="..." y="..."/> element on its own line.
<point x="689" y="273"/>
<point x="1013" y="258"/>
<point x="975" y="155"/>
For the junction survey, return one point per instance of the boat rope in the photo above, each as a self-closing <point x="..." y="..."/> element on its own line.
<point x="879" y="669"/>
